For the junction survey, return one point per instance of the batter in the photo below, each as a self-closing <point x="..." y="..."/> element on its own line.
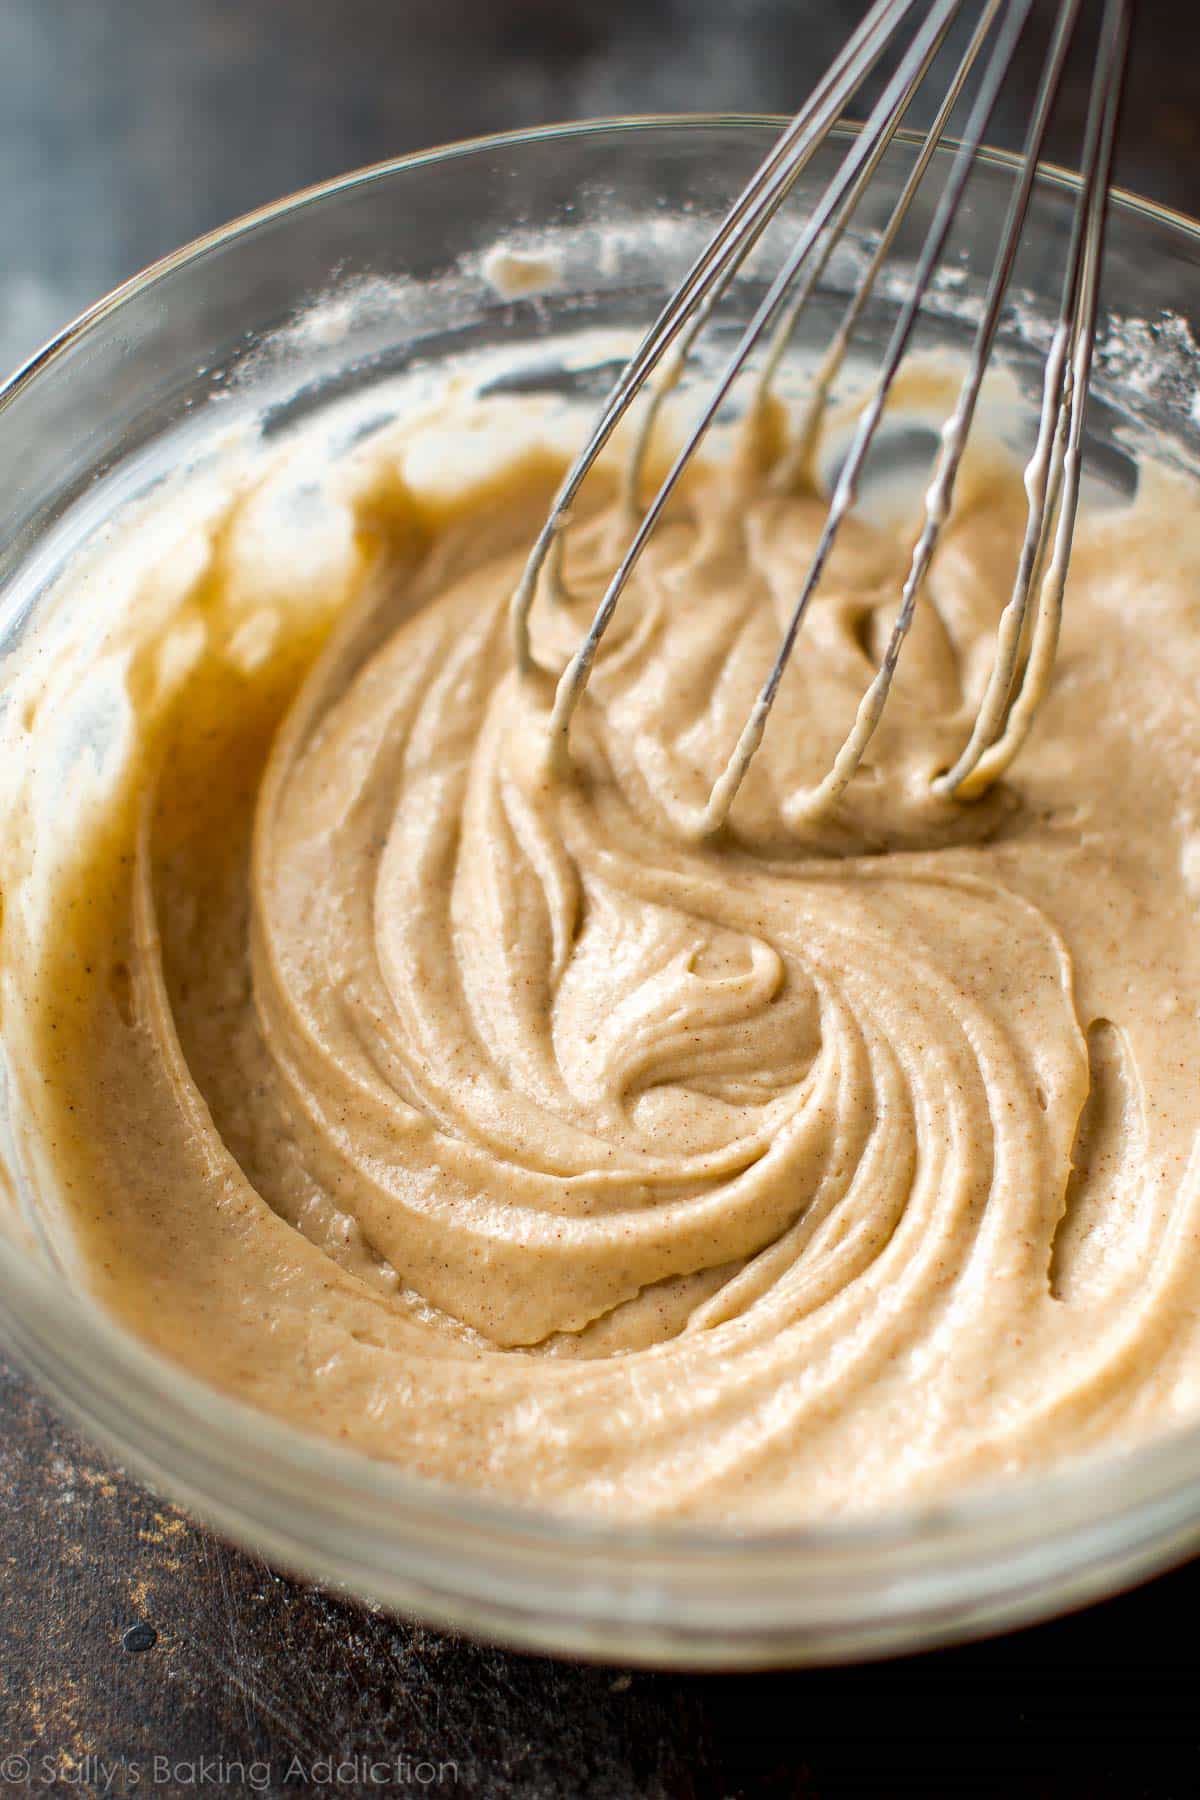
<point x="473" y="1111"/>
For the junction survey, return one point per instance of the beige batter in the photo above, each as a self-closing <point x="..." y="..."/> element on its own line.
<point x="483" y="1117"/>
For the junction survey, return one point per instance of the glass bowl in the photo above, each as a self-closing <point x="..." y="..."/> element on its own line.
<point x="398" y="254"/>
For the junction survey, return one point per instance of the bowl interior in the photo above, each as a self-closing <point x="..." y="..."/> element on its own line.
<point x="392" y="273"/>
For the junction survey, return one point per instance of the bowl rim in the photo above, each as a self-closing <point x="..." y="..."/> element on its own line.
<point x="1154" y="1486"/>
<point x="1056" y="174"/>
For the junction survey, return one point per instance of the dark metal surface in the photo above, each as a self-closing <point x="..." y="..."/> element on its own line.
<point x="127" y="1634"/>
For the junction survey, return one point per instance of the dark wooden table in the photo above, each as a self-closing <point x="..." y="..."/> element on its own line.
<point x="137" y="1653"/>
<point x="278" y="1687"/>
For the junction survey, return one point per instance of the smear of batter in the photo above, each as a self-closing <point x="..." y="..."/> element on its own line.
<point x="480" y="1116"/>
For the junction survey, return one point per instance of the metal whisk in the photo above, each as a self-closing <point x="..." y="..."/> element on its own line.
<point x="1028" y="629"/>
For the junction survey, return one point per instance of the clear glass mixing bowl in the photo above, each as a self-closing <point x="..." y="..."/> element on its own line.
<point x="221" y="329"/>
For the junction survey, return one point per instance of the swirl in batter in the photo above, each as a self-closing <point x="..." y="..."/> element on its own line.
<point x="477" y="1113"/>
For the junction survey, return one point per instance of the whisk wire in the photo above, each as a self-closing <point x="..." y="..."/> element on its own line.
<point x="884" y="117"/>
<point x="1003" y="720"/>
<point x="795" y="461"/>
<point x="724" y="253"/>
<point x="955" y="432"/>
<point x="846" y="487"/>
<point x="1028" y="629"/>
